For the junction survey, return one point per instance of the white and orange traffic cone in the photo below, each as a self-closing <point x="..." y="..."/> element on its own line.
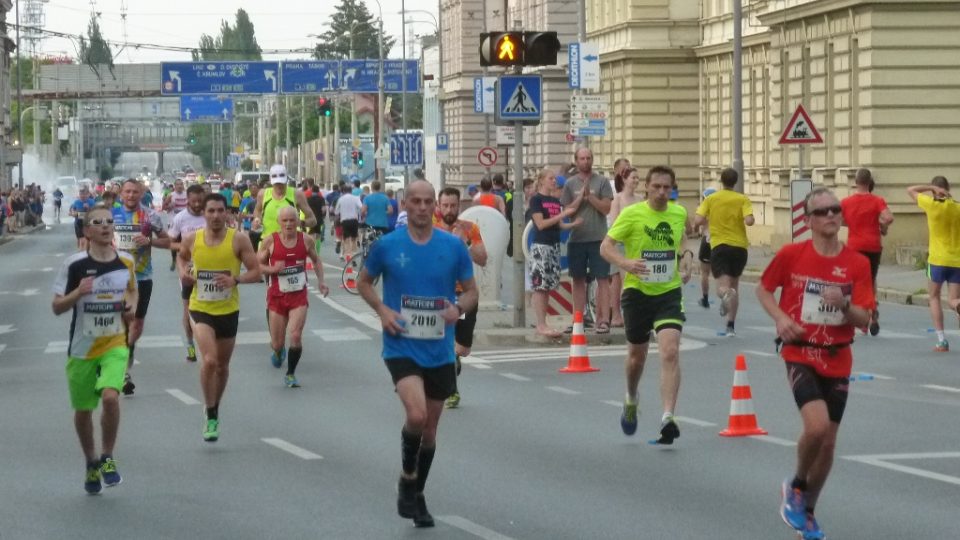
<point x="350" y="277"/>
<point x="579" y="361"/>
<point x="743" y="419"/>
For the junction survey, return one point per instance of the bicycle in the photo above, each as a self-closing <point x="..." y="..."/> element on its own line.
<point x="351" y="270"/>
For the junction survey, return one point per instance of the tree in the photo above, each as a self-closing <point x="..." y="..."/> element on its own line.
<point x="237" y="42"/>
<point x="351" y="20"/>
<point x="94" y="50"/>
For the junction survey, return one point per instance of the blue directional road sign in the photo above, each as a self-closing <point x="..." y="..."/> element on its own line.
<point x="178" y="78"/>
<point x="406" y="149"/>
<point x="208" y="109"/>
<point x="363" y="76"/>
<point x="519" y="98"/>
<point x="309" y="77"/>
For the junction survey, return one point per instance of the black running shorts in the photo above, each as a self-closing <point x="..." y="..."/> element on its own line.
<point x="439" y="383"/>
<point x="643" y="313"/>
<point x="224" y="326"/>
<point x="808" y="385"/>
<point x="704" y="253"/>
<point x="727" y="261"/>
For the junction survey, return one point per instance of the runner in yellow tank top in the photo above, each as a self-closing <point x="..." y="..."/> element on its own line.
<point x="210" y="261"/>
<point x="269" y="202"/>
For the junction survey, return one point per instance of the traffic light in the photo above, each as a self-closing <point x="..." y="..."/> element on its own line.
<point x="355" y="156"/>
<point x="540" y="48"/>
<point x="360" y="159"/>
<point x="501" y="49"/>
<point x="323" y="107"/>
<point x="192" y="139"/>
<point x="508" y="49"/>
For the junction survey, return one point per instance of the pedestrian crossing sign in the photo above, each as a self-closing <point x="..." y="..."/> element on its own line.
<point x="519" y="99"/>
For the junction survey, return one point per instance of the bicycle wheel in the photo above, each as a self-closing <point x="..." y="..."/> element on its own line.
<point x="350" y="274"/>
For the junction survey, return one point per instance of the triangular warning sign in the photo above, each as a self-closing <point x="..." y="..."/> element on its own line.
<point x="800" y="129"/>
<point x="520" y="101"/>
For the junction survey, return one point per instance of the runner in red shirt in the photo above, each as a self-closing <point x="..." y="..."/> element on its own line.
<point x="824" y="296"/>
<point x="283" y="257"/>
<point x="867" y="217"/>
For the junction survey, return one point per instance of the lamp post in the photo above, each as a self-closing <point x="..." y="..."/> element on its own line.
<point x="440" y="126"/>
<point x="353" y="99"/>
<point x="378" y="136"/>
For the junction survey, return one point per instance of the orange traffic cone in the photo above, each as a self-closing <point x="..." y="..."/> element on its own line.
<point x="579" y="361"/>
<point x="743" y="419"/>
<point x="350" y="281"/>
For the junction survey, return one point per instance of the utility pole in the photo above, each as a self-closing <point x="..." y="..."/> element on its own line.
<point x="519" y="264"/>
<point x="486" y="73"/>
<point x="286" y="121"/>
<point x="301" y="159"/>
<point x="737" y="92"/>
<point x="19" y="102"/>
<point x="403" y="76"/>
<point x="582" y="38"/>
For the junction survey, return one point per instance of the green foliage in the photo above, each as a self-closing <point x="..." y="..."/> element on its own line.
<point x="94" y="50"/>
<point x="246" y="165"/>
<point x="237" y="42"/>
<point x="351" y="19"/>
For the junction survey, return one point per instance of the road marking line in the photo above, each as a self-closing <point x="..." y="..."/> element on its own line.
<point x="774" y="440"/>
<point x="291" y="448"/>
<point x="878" y="460"/>
<point x="56" y="347"/>
<point x="182" y="396"/>
<point x="464" y="524"/>
<point x="252" y="338"/>
<point x="363" y="318"/>
<point x="563" y="390"/>
<point x="340" y="334"/>
<point x="612" y="403"/>
<point x="694" y="421"/>
<point x="942" y="388"/>
<point x="515" y="377"/>
<point x="156" y="342"/>
<point x="2" y="347"/>
<point x="478" y="365"/>
<point x="760" y="353"/>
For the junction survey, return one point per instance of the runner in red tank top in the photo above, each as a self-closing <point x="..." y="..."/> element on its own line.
<point x="283" y="257"/>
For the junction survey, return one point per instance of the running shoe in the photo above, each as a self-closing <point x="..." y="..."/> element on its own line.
<point x="942" y="346"/>
<point x="874" y="328"/>
<point x="92" y="482"/>
<point x="628" y="419"/>
<point x="704" y="303"/>
<point x="212" y="430"/>
<point x="191" y="353"/>
<point x="811" y="529"/>
<point x="793" y="505"/>
<point x="423" y="519"/>
<point x="277" y="359"/>
<point x="128" y="385"/>
<point x="291" y="381"/>
<point x="108" y="468"/>
<point x="668" y="431"/>
<point x="407" y="498"/>
<point x="453" y="401"/>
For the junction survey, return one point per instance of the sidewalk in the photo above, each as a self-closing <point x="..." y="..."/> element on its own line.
<point x="10" y="237"/>
<point x="895" y="283"/>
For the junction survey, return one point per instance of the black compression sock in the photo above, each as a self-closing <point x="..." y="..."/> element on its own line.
<point x="423" y="466"/>
<point x="293" y="358"/>
<point x="799" y="484"/>
<point x="410" y="447"/>
<point x="132" y="347"/>
<point x="729" y="325"/>
<point x="213" y="412"/>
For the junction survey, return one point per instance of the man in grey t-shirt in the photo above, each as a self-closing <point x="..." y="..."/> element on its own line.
<point x="583" y="250"/>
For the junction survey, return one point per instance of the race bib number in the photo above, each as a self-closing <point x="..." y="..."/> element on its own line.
<point x="292" y="279"/>
<point x="424" y="316"/>
<point x="102" y="319"/>
<point x="814" y="310"/>
<point x="123" y="234"/>
<point x="662" y="266"/>
<point x="207" y="288"/>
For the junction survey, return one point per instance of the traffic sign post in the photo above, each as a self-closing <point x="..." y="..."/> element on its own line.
<point x="519" y="100"/>
<point x="584" y="59"/>
<point x="800" y="131"/>
<point x="406" y="149"/>
<point x="483" y="94"/>
<point x="179" y="78"/>
<point x="363" y="76"/>
<point x="588" y="116"/>
<point x="487" y="156"/>
<point x="309" y="77"/>
<point x="207" y="109"/>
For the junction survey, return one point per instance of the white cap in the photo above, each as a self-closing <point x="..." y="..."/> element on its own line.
<point x="278" y="174"/>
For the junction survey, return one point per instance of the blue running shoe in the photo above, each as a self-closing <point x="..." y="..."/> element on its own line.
<point x="108" y="469"/>
<point x="277" y="359"/>
<point x="793" y="506"/>
<point x="92" y="482"/>
<point x="811" y="530"/>
<point x="291" y="381"/>
<point x="628" y="420"/>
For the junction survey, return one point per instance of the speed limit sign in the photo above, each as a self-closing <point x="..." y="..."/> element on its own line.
<point x="487" y="156"/>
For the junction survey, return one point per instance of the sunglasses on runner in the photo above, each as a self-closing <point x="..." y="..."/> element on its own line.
<point x="280" y="175"/>
<point x="822" y="212"/>
<point x="99" y="222"/>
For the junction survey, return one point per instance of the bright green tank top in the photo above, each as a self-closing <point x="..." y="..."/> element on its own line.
<point x="208" y="261"/>
<point x="272" y="206"/>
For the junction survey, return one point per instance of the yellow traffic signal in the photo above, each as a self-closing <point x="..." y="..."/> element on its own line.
<point x="505" y="49"/>
<point x="501" y="49"/>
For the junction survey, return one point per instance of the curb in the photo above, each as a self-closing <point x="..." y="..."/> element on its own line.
<point x="10" y="237"/>
<point x="521" y="337"/>
<point x="895" y="296"/>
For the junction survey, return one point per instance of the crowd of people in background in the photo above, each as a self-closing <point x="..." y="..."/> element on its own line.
<point x="21" y="208"/>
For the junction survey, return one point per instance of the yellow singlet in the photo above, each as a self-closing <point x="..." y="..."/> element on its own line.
<point x="208" y="261"/>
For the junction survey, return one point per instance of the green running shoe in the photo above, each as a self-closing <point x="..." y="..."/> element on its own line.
<point x="291" y="381"/>
<point x="212" y="431"/>
<point x="191" y="353"/>
<point x="453" y="401"/>
<point x="108" y="469"/>
<point x="92" y="481"/>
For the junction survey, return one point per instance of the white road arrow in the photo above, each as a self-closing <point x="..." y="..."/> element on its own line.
<point x="226" y="114"/>
<point x="30" y="292"/>
<point x="7" y="328"/>
<point x="187" y="113"/>
<point x="271" y="76"/>
<point x="351" y="73"/>
<point x="330" y="76"/>
<point x="175" y="76"/>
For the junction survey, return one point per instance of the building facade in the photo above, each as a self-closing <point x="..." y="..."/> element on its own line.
<point x="9" y="153"/>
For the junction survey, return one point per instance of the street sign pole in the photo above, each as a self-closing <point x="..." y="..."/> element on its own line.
<point x="519" y="266"/>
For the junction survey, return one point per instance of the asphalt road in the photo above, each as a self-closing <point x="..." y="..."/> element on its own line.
<point x="531" y="453"/>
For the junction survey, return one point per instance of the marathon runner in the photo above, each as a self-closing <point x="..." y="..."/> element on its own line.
<point x="134" y="229"/>
<point x="78" y="210"/>
<point x="652" y="232"/>
<point x="943" y="259"/>
<point x="215" y="253"/>
<point x="269" y="203"/>
<point x="318" y="205"/>
<point x="184" y="223"/>
<point x="727" y="215"/>
<point x="283" y="257"/>
<point x="100" y="287"/>
<point x="57" y="202"/>
<point x="469" y="233"/>
<point x="174" y="203"/>
<point x="825" y="294"/>
<point x="417" y="314"/>
<point x="867" y="218"/>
